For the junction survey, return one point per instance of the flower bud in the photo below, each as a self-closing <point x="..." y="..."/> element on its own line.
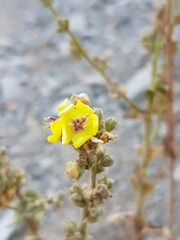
<point x="73" y="170"/>
<point x="106" y="161"/>
<point x="110" y="183"/>
<point x="99" y="113"/>
<point x="110" y="123"/>
<point x="75" y="50"/>
<point x="47" y="3"/>
<point x="77" y="188"/>
<point x="31" y="194"/>
<point x="69" y="227"/>
<point x="62" y="24"/>
<point x="103" y="180"/>
<point x="99" y="169"/>
<point x="31" y="237"/>
<point x="89" y="237"/>
<point x="78" y="200"/>
<point x="100" y="132"/>
<point x="94" y="214"/>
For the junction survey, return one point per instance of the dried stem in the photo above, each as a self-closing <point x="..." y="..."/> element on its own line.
<point x="145" y="152"/>
<point x="170" y="127"/>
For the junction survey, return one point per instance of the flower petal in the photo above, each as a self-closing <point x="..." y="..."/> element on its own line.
<point x="63" y="105"/>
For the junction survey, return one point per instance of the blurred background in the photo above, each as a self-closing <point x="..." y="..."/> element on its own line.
<point x="37" y="73"/>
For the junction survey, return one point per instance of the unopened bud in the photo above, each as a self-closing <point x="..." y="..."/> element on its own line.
<point x="69" y="227"/>
<point x="78" y="200"/>
<point x="103" y="180"/>
<point x="73" y="170"/>
<point x="110" y="123"/>
<point x="31" y="194"/>
<point x="47" y="3"/>
<point x="106" y="161"/>
<point x="99" y="113"/>
<point x="110" y="183"/>
<point x="99" y="169"/>
<point x="82" y="97"/>
<point x="77" y="188"/>
<point x="94" y="214"/>
<point x="32" y="237"/>
<point x="62" y="24"/>
<point x="75" y="50"/>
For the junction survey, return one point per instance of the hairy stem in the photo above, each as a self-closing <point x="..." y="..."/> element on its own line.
<point x="83" y="224"/>
<point x="170" y="126"/>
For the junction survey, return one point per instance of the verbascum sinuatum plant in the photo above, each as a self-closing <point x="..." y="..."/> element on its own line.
<point x="86" y="131"/>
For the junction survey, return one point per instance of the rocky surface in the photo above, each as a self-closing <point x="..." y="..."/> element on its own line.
<point x="37" y="73"/>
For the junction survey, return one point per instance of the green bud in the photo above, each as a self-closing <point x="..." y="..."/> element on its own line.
<point x="106" y="161"/>
<point x="76" y="50"/>
<point x="99" y="113"/>
<point x="62" y="24"/>
<point x="89" y="237"/>
<point x="99" y="169"/>
<point x="31" y="237"/>
<point x="100" y="132"/>
<point x="31" y="194"/>
<point x="77" y="188"/>
<point x="2" y="151"/>
<point x="110" y="183"/>
<point x="69" y="227"/>
<point x="103" y="180"/>
<point x="78" y="200"/>
<point x="94" y="214"/>
<point x="57" y="199"/>
<point x="110" y="123"/>
<point x="47" y="3"/>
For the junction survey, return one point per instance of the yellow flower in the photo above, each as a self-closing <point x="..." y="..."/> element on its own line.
<point x="79" y="124"/>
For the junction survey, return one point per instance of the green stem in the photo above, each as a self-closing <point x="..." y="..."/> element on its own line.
<point x="143" y="167"/>
<point x="156" y="128"/>
<point x="92" y="175"/>
<point x="93" y="65"/>
<point x="83" y="224"/>
<point x="155" y="59"/>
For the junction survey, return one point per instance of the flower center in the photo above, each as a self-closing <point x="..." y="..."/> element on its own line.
<point x="78" y="124"/>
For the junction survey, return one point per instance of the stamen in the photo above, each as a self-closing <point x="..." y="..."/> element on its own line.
<point x="78" y="124"/>
<point x="46" y="127"/>
<point x="52" y="119"/>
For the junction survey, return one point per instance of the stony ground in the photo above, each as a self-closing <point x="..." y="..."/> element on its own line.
<point x="37" y="73"/>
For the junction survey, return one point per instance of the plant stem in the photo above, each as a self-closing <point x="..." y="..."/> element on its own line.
<point x="155" y="60"/>
<point x="83" y="224"/>
<point x="156" y="128"/>
<point x="170" y="126"/>
<point x="143" y="167"/>
<point x="93" y="65"/>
